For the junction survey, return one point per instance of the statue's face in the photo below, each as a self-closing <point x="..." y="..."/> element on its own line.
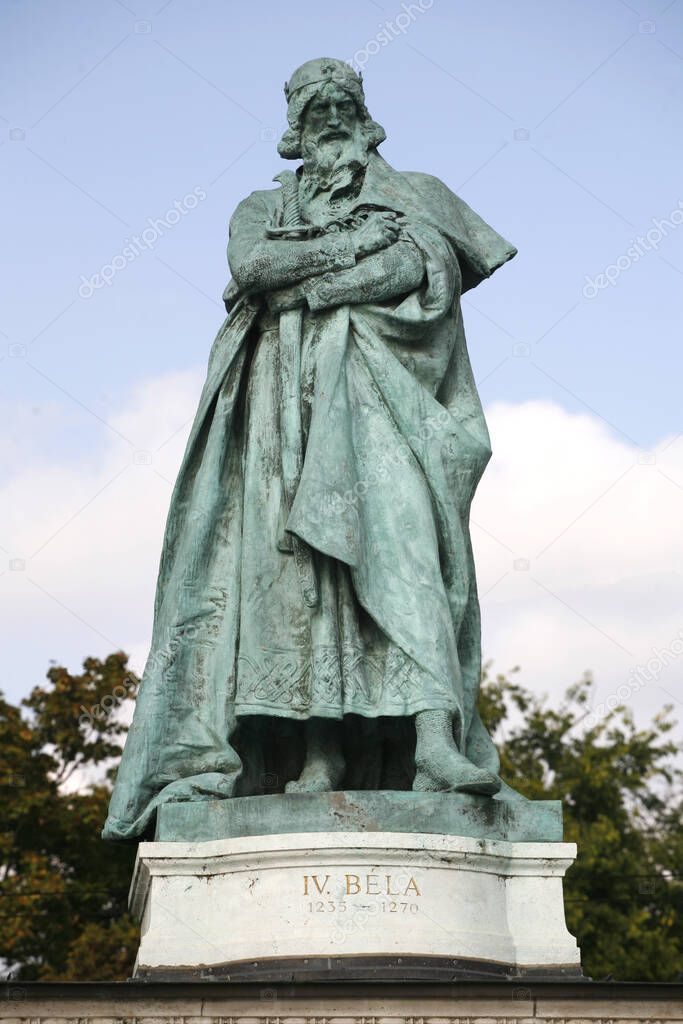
<point x="331" y="116"/>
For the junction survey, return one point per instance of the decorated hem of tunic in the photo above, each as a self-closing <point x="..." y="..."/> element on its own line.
<point x="389" y="709"/>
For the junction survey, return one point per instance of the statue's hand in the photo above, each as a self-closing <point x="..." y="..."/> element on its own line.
<point x="282" y="299"/>
<point x="378" y="231"/>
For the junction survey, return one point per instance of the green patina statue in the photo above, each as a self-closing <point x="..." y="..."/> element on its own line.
<point x="316" y="621"/>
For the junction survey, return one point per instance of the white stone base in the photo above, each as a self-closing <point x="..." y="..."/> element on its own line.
<point x="208" y="906"/>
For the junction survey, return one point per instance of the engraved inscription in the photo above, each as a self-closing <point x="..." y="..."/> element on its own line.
<point x="315" y="884"/>
<point x="340" y="906"/>
<point x="361" y="885"/>
<point x="338" y="894"/>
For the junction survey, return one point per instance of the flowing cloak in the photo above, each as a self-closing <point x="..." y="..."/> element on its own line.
<point x="395" y="444"/>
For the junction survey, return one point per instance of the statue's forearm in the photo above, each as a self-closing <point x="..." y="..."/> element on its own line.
<point x="266" y="264"/>
<point x="390" y="272"/>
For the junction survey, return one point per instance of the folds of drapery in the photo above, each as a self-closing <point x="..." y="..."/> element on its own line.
<point x="406" y="362"/>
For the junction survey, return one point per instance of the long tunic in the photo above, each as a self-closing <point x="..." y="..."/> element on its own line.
<point x="395" y="443"/>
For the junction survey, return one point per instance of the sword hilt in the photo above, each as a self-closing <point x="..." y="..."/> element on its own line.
<point x="291" y="211"/>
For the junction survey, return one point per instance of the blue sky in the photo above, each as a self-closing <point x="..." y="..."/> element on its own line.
<point x="559" y="123"/>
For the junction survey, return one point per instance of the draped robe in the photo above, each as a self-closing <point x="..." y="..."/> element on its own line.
<point x="395" y="444"/>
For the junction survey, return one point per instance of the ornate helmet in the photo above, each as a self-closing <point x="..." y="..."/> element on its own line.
<point x="302" y="87"/>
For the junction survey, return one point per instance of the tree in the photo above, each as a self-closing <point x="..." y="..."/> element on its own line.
<point x="63" y="890"/>
<point x="621" y="790"/>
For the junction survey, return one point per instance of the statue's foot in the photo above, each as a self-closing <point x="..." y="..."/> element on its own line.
<point x="324" y="766"/>
<point x="453" y="773"/>
<point x="318" y="776"/>
<point x="439" y="765"/>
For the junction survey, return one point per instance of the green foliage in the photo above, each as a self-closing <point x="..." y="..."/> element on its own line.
<point x="621" y="791"/>
<point x="63" y="891"/>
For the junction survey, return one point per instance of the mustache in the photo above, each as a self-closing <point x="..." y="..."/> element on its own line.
<point x="334" y="133"/>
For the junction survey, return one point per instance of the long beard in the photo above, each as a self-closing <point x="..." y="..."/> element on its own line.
<point x="329" y="166"/>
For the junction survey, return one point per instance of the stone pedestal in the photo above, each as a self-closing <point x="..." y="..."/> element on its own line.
<point x="397" y="1002"/>
<point x="352" y="905"/>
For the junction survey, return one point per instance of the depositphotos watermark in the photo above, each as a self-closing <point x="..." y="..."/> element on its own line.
<point x="638" y="678"/>
<point x="386" y="462"/>
<point x="157" y="661"/>
<point x="638" y="247"/>
<point x="137" y="244"/>
<point x="108" y="702"/>
<point x="388" y="31"/>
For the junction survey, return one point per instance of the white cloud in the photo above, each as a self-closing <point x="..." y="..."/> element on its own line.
<point x="577" y="538"/>
<point x="580" y="561"/>
<point x="89" y="530"/>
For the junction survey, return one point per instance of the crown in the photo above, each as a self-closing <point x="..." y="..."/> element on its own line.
<point x="323" y="69"/>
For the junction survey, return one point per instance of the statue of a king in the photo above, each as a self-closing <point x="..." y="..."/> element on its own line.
<point x="316" y="620"/>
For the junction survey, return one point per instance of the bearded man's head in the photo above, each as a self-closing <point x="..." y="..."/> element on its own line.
<point x="329" y="124"/>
